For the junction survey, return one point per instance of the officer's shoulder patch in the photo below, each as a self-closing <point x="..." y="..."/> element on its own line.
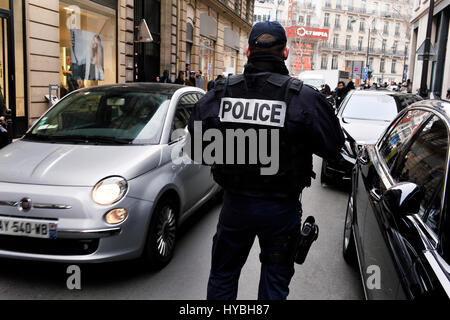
<point x="235" y="79"/>
<point x="296" y="85"/>
<point x="312" y="87"/>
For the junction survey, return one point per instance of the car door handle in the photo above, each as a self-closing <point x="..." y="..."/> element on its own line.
<point x="375" y="194"/>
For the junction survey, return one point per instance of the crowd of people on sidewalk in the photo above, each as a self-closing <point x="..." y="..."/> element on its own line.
<point x="342" y="89"/>
<point x="189" y="78"/>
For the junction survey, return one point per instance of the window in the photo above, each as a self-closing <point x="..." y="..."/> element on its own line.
<point x="375" y="8"/>
<point x="394" y="66"/>
<point x="386" y="28"/>
<point x="349" y="23"/>
<point x="371" y="62"/>
<point x="394" y="47"/>
<point x="88" y="45"/>
<point x="363" y="6"/>
<point x="335" y="41"/>
<point x="339" y="4"/>
<point x="424" y="164"/>
<point x="360" y="43"/>
<point x="308" y="20"/>
<point x="328" y="4"/>
<point x="337" y="21"/>
<point x="207" y="58"/>
<point x="348" y="42"/>
<point x="230" y="60"/>
<point x="397" y="29"/>
<point x="334" y="62"/>
<point x="399" y="134"/>
<point x="372" y="44"/>
<point x="368" y="107"/>
<point x="184" y="109"/>
<point x="350" y="5"/>
<point x="326" y="21"/>
<point x="383" y="46"/>
<point x="105" y="116"/>
<point x="382" y="62"/>
<point x="324" y="62"/>
<point x="362" y="25"/>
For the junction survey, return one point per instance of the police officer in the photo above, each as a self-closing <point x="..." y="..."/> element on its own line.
<point x="266" y="206"/>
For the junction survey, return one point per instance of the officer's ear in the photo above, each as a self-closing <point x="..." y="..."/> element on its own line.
<point x="285" y="53"/>
<point x="247" y="52"/>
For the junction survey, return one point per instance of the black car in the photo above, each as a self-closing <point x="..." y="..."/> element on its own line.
<point x="363" y="115"/>
<point x="397" y="226"/>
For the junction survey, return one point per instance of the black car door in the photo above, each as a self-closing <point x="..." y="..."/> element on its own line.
<point x="423" y="162"/>
<point x="380" y="270"/>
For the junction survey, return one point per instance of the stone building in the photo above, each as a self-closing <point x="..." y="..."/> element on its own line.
<point x="66" y="43"/>
<point x="438" y="77"/>
<point x="374" y="33"/>
<point x="206" y="35"/>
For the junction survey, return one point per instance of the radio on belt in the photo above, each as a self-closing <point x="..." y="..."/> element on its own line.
<point x="254" y="111"/>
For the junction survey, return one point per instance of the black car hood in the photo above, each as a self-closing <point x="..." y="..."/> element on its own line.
<point x="363" y="131"/>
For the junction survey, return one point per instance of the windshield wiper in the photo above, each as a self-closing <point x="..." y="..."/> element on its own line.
<point x="79" y="138"/>
<point x="90" y="139"/>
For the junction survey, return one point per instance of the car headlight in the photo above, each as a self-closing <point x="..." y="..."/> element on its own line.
<point x="109" y="191"/>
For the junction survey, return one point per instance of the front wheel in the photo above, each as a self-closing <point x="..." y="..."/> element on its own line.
<point x="162" y="234"/>
<point x="348" y="246"/>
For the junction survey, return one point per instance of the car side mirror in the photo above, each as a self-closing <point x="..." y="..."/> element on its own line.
<point x="403" y="199"/>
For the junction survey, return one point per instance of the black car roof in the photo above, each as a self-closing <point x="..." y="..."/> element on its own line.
<point x="439" y="106"/>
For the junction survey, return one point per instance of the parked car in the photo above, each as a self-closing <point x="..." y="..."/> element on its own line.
<point x="397" y="226"/>
<point x="93" y="179"/>
<point x="363" y="116"/>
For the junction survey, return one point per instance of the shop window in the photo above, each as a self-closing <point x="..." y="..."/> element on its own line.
<point x="88" y="45"/>
<point x="230" y="60"/>
<point x="207" y="58"/>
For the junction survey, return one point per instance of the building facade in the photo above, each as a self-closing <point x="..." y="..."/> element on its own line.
<point x="367" y="33"/>
<point x="68" y="44"/>
<point x="206" y="35"/>
<point x="345" y="34"/>
<point x="438" y="77"/>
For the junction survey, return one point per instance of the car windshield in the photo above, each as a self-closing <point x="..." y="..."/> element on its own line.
<point x="104" y="117"/>
<point x="313" y="82"/>
<point x="370" y="107"/>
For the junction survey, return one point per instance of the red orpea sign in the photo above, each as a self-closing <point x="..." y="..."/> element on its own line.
<point x="306" y="32"/>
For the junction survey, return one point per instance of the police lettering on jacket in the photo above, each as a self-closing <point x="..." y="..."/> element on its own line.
<point x="253" y="111"/>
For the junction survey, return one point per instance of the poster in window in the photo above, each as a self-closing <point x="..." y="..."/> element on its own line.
<point x="87" y="55"/>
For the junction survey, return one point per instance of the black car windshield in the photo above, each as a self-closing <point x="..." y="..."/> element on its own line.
<point x="370" y="107"/>
<point x="104" y="117"/>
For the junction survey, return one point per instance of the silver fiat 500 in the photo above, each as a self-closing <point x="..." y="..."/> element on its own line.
<point x="94" y="180"/>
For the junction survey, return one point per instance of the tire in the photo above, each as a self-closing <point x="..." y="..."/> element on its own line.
<point x="324" y="178"/>
<point x="161" y="238"/>
<point x="348" y="243"/>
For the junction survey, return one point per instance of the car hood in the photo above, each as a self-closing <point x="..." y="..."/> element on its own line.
<point x="74" y="165"/>
<point x="364" y="131"/>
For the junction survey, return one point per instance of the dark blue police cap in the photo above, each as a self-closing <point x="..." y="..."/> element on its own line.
<point x="273" y="28"/>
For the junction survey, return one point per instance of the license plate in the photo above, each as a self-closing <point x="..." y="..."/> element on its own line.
<point x="28" y="228"/>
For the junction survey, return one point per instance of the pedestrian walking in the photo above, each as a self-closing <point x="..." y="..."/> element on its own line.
<point x="191" y="80"/>
<point x="165" y="78"/>
<point x="181" y="79"/>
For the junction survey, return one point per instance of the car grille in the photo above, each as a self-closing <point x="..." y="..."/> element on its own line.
<point x="63" y="247"/>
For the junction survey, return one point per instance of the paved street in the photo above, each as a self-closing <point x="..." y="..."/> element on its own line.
<point x="325" y="275"/>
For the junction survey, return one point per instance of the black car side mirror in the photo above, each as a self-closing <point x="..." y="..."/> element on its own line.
<point x="403" y="199"/>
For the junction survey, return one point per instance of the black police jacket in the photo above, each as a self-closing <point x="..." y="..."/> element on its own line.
<point x="303" y="120"/>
